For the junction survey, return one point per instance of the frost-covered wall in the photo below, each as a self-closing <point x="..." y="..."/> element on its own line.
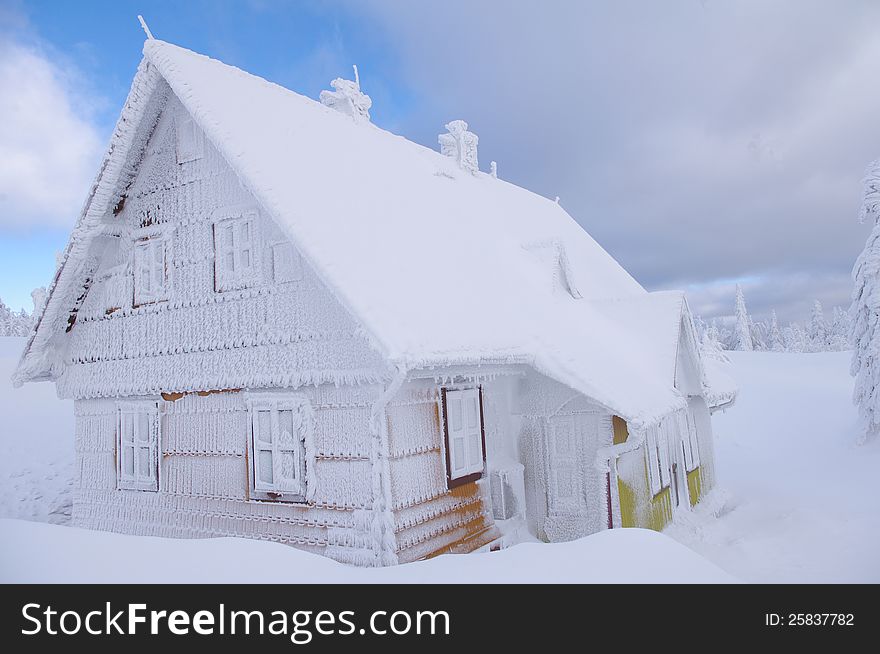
<point x="561" y="434"/>
<point x="286" y="329"/>
<point x="203" y="475"/>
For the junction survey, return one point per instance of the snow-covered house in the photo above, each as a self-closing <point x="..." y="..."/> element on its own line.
<point x="278" y="321"/>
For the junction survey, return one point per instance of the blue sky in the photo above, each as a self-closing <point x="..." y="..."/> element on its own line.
<point x="702" y="143"/>
<point x="301" y="45"/>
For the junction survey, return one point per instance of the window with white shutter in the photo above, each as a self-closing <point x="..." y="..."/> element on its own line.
<point x="150" y="270"/>
<point x="463" y="437"/>
<point x="657" y="453"/>
<point x="236" y="262"/>
<point x="137" y="446"/>
<point x="280" y="428"/>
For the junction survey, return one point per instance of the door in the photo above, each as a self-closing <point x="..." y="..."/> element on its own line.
<point x="571" y="479"/>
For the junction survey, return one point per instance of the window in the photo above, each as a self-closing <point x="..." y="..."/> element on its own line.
<point x="235" y="252"/>
<point x="657" y="451"/>
<point x="150" y="271"/>
<point x="137" y="446"/>
<point x="281" y="429"/>
<point x="463" y="438"/>
<point x="190" y="143"/>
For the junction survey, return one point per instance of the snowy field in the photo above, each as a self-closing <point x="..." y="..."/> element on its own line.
<point x="801" y="496"/>
<point x="797" y="503"/>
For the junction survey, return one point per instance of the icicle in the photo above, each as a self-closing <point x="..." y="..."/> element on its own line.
<point x="461" y="145"/>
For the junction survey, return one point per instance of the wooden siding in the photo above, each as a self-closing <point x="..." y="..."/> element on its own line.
<point x="430" y="518"/>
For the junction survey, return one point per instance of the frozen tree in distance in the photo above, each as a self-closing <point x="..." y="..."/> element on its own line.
<point x="742" y="338"/>
<point x="838" y="335"/>
<point x="710" y="345"/>
<point x="775" y="343"/>
<point x="818" y="329"/>
<point x="865" y="312"/>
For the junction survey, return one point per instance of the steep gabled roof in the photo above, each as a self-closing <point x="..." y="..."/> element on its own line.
<point x="437" y="264"/>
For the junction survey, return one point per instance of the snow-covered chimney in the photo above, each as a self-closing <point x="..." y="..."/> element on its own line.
<point x="461" y="145"/>
<point x="493" y="169"/>
<point x="346" y="97"/>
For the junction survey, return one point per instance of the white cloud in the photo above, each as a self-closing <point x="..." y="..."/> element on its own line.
<point x="697" y="141"/>
<point x="49" y="146"/>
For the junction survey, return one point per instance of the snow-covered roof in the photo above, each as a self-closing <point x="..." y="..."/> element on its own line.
<point x="440" y="266"/>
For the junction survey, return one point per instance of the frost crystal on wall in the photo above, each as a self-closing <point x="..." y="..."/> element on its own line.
<point x="461" y="145"/>
<point x="347" y="98"/>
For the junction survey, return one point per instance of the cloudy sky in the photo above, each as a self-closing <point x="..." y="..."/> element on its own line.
<point x="703" y="143"/>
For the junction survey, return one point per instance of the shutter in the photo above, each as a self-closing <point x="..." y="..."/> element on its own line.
<point x="694" y="441"/>
<point x="142" y="279"/>
<point x="157" y="265"/>
<point x="264" y="469"/>
<point x="126" y="447"/>
<point x="663" y="447"/>
<point x="288" y="449"/>
<point x="244" y="250"/>
<point x="653" y="461"/>
<point x="456" y="435"/>
<point x="464" y="433"/>
<point x="474" y="431"/>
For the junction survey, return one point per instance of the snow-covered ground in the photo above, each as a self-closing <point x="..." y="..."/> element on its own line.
<point x="801" y="497"/>
<point x="34" y="552"/>
<point x="798" y="503"/>
<point x="36" y="441"/>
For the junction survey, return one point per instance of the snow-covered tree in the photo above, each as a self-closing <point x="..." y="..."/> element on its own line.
<point x="710" y="345"/>
<point x="839" y="330"/>
<point x="14" y="323"/>
<point x="774" y="339"/>
<point x="742" y="332"/>
<point x="794" y="338"/>
<point x="817" y="331"/>
<point x="865" y="312"/>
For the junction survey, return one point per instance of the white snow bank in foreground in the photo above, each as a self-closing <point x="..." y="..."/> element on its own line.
<point x="32" y="552"/>
<point x="37" y="444"/>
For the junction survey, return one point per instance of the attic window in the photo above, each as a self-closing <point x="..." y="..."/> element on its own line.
<point x="150" y="270"/>
<point x="190" y="143"/>
<point x="236" y="264"/>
